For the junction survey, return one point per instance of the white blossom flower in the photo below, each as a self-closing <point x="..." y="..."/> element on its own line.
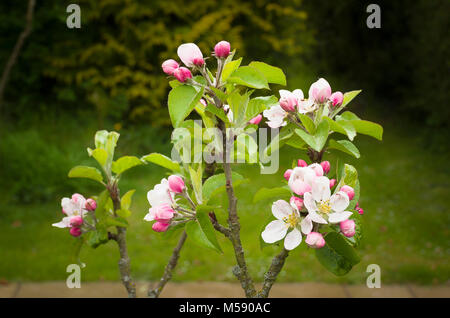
<point x="275" y="116"/>
<point x="288" y="217"/>
<point x="160" y="194"/>
<point x="322" y="206"/>
<point x="306" y="106"/>
<point x="71" y="207"/>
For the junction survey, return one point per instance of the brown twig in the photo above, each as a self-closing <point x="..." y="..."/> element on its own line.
<point x="120" y="238"/>
<point x="272" y="274"/>
<point x="155" y="292"/>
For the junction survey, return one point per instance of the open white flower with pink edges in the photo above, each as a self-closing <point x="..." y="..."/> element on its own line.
<point x="72" y="207"/>
<point x="288" y="218"/>
<point x="160" y="194"/>
<point x="275" y="116"/>
<point x="322" y="206"/>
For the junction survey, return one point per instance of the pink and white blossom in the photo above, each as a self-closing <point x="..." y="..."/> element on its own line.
<point x="320" y="91"/>
<point x="182" y="74"/>
<point x="306" y="106"/>
<point x="289" y="100"/>
<point x="287" y="174"/>
<point x="161" y="213"/>
<point x="190" y="55"/>
<point x="336" y="99"/>
<point x="287" y="218"/>
<point x="301" y="180"/>
<point x="160" y="194"/>
<point x="176" y="184"/>
<point x="315" y="240"/>
<point x="322" y="206"/>
<point x="317" y="169"/>
<point x="74" y="206"/>
<point x="297" y="202"/>
<point x="349" y="190"/>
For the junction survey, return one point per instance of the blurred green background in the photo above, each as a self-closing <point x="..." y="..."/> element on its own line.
<point x="68" y="83"/>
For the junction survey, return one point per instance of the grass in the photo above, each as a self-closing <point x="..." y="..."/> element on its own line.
<point x="404" y="195"/>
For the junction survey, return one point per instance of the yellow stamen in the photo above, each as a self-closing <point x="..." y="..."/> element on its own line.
<point x="291" y="220"/>
<point x="324" y="207"/>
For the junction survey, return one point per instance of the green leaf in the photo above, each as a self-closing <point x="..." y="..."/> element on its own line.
<point x="196" y="178"/>
<point x="86" y="172"/>
<point x="97" y="237"/>
<point x="238" y="105"/>
<point x="273" y="74"/>
<point x="348" y="97"/>
<point x="368" y="128"/>
<point x="125" y="201"/>
<point x="266" y="193"/>
<point x="218" y="112"/>
<point x="307" y="138"/>
<point x="182" y="100"/>
<point x="175" y="83"/>
<point x="308" y="123"/>
<point x="196" y="234"/>
<point x="107" y="141"/>
<point x="229" y="68"/>
<point x="124" y="163"/>
<point x="248" y="76"/>
<point x="337" y="255"/>
<point x="350" y="131"/>
<point x="162" y="161"/>
<point x="344" y="146"/>
<point x="99" y="155"/>
<point x="348" y="115"/>
<point x="216" y="184"/>
<point x="222" y="96"/>
<point x="319" y="139"/>
<point x="123" y="213"/>
<point x="116" y="221"/>
<point x="258" y="104"/>
<point x="202" y="214"/>
<point x="349" y="177"/>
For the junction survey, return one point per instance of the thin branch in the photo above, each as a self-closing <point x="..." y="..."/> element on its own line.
<point x="272" y="274"/>
<point x="15" y="53"/>
<point x="219" y="227"/>
<point x="154" y="293"/>
<point x="121" y="239"/>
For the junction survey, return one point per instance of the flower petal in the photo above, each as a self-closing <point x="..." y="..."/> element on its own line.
<point x="309" y="202"/>
<point x="321" y="189"/>
<point x="274" y="231"/>
<point x="284" y="93"/>
<point x="293" y="239"/>
<point x="298" y="93"/>
<point x="65" y="222"/>
<point x="339" y="201"/>
<point x="188" y="52"/>
<point x="339" y="216"/>
<point x="306" y="225"/>
<point x="316" y="218"/>
<point x="281" y="209"/>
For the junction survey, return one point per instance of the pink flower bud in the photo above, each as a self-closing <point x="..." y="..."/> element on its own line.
<point x="182" y="74"/>
<point x="357" y="205"/>
<point x="325" y="166"/>
<point x="332" y="183"/>
<point x="160" y="226"/>
<point x="289" y="103"/>
<point x="347" y="228"/>
<point x="90" y="205"/>
<point x="301" y="163"/>
<point x="76" y="221"/>
<point x="203" y="101"/>
<point x="190" y="55"/>
<point x="176" y="184"/>
<point x="255" y="120"/>
<point x="336" y="99"/>
<point x="315" y="240"/>
<point x="77" y="197"/>
<point x="75" y="231"/>
<point x="169" y="66"/>
<point x="297" y="202"/>
<point x="349" y="191"/>
<point x="320" y="91"/>
<point x="222" y="49"/>
<point x="287" y="174"/>
<point x="360" y="211"/>
<point x="317" y="169"/>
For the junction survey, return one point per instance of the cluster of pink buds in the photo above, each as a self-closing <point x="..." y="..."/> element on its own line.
<point x="162" y="202"/>
<point x="192" y="57"/>
<point x="74" y="209"/>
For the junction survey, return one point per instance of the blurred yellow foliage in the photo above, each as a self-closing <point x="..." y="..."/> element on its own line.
<point x="122" y="44"/>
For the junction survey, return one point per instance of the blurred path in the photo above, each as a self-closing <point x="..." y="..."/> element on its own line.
<point x="220" y="289"/>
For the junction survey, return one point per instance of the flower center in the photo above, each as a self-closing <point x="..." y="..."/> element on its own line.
<point x="291" y="220"/>
<point x="324" y="207"/>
